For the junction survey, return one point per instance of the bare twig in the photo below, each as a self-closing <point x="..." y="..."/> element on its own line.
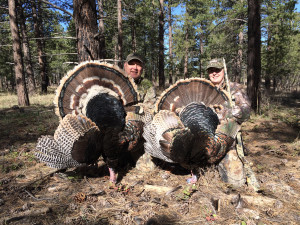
<point x="35" y="198"/>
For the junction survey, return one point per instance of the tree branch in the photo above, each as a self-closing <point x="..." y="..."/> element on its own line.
<point x="59" y="37"/>
<point x="224" y="21"/>
<point x="57" y="7"/>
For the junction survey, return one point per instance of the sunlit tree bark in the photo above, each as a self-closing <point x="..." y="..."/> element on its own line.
<point x="23" y="99"/>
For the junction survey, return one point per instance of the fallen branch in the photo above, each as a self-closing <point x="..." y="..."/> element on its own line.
<point x="158" y="189"/>
<point x="35" y="198"/>
<point x="22" y="187"/>
<point x="33" y="212"/>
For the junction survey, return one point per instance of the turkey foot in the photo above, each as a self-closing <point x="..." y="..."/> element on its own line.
<point x="112" y="175"/>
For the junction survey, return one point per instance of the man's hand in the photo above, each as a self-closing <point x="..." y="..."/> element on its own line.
<point x="237" y="112"/>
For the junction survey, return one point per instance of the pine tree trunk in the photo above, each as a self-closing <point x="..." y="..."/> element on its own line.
<point x="120" y="33"/>
<point x="23" y="99"/>
<point x="201" y="54"/>
<point x="116" y="50"/>
<point x="186" y="55"/>
<point x="133" y="35"/>
<point x="27" y="55"/>
<point x="152" y="43"/>
<point x="1" y="84"/>
<point x="161" y="57"/>
<point x="102" y="50"/>
<point x="170" y="43"/>
<point x="85" y="16"/>
<point x="240" y="57"/>
<point x="39" y="35"/>
<point x="254" y="57"/>
<point x="269" y="68"/>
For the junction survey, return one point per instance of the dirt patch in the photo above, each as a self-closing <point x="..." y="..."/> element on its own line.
<point x="31" y="193"/>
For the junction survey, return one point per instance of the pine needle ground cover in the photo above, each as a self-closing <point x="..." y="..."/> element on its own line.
<point x="31" y="193"/>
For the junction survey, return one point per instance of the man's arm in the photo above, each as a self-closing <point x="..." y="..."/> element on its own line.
<point x="241" y="110"/>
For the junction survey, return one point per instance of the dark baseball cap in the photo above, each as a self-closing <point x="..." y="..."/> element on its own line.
<point x="135" y="56"/>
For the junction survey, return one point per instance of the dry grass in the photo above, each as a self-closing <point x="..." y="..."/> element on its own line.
<point x="8" y="100"/>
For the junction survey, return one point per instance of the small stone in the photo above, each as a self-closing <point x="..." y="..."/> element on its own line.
<point x="165" y="175"/>
<point x="138" y="220"/>
<point x="278" y="204"/>
<point x="25" y="207"/>
<point x="283" y="162"/>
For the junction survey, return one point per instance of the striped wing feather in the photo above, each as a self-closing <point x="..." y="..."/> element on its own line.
<point x="58" y="151"/>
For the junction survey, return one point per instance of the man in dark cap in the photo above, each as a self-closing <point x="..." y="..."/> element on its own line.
<point x="134" y="66"/>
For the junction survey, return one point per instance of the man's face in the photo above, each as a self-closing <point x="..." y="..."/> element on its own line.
<point x="216" y="75"/>
<point x="134" y="68"/>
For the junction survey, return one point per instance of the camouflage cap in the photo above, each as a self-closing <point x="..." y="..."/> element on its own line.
<point x="215" y="63"/>
<point x="135" y="56"/>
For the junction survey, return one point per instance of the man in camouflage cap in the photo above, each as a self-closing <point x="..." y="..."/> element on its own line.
<point x="215" y="69"/>
<point x="231" y="168"/>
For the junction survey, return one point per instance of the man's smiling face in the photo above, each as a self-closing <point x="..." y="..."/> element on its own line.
<point x="216" y="75"/>
<point x="134" y="68"/>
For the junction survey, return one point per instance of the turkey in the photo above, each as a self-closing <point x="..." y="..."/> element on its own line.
<point x="96" y="103"/>
<point x="192" y="126"/>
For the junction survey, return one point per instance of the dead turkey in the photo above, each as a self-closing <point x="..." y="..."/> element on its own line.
<point x="96" y="104"/>
<point x="192" y="125"/>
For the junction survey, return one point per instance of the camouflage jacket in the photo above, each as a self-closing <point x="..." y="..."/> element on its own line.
<point x="147" y="93"/>
<point x="241" y="110"/>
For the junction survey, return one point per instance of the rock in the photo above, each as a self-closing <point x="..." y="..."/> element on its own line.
<point x="278" y="204"/>
<point x="231" y="170"/>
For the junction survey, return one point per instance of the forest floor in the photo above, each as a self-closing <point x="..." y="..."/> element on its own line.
<point x="32" y="193"/>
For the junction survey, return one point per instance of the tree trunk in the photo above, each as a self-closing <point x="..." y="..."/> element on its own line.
<point x="102" y="50"/>
<point x="133" y="35"/>
<point x="274" y="84"/>
<point x="23" y="99"/>
<point x="186" y="55"/>
<point x="161" y="57"/>
<point x="1" y="84"/>
<point x="170" y="43"/>
<point x="201" y="54"/>
<point x="254" y="56"/>
<point x="120" y="33"/>
<point x="240" y="56"/>
<point x="39" y="35"/>
<point x="269" y="68"/>
<point x="27" y="55"/>
<point x="85" y="16"/>
<point x="152" y="43"/>
<point x="116" y="50"/>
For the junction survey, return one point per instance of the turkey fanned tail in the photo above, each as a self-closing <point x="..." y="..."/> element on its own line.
<point x="71" y="145"/>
